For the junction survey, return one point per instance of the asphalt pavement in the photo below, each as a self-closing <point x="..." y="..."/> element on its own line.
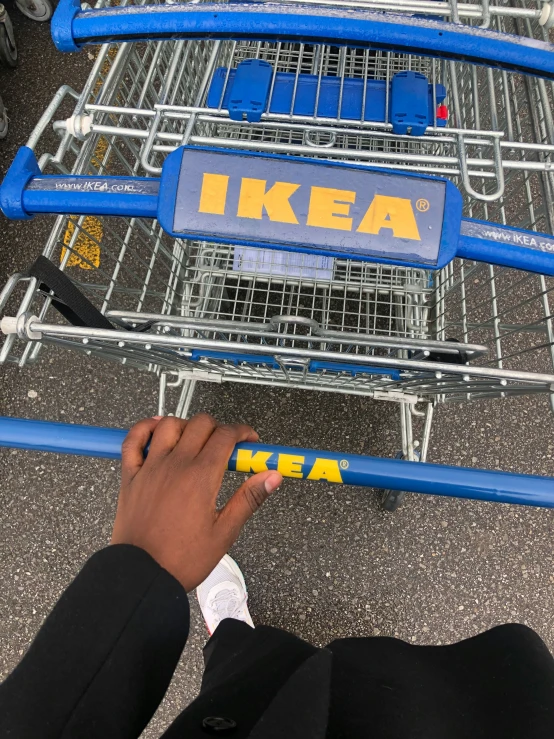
<point x="323" y="562"/>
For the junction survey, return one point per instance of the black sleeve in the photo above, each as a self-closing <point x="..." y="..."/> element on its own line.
<point x="102" y="661"/>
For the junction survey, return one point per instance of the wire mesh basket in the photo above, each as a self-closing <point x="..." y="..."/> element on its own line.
<point x="192" y="309"/>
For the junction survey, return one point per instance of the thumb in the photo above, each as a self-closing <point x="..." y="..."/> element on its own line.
<point x="246" y="501"/>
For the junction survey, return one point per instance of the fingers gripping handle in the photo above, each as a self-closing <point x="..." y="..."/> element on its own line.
<point x="350" y="469"/>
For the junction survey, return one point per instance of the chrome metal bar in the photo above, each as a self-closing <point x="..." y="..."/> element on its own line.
<point x="121" y="338"/>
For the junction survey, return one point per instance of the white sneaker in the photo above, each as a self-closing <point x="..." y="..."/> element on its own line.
<point x="223" y="595"/>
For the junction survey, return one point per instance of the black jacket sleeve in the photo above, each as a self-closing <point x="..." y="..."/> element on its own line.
<point x="102" y="661"/>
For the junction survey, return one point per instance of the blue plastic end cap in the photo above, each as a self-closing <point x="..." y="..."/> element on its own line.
<point x="250" y="90"/>
<point x="409" y="103"/>
<point x="23" y="168"/>
<point x="61" y="26"/>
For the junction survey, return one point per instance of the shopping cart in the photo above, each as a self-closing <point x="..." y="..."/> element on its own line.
<point x="287" y="185"/>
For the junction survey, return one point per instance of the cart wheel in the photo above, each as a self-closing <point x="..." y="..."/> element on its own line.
<point x="8" y="49"/>
<point x="3" y="120"/>
<point x="391" y="500"/>
<point x="36" y="10"/>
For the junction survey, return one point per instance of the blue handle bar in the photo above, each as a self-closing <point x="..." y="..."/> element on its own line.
<point x="73" y="27"/>
<point x="25" y="192"/>
<point x="349" y="469"/>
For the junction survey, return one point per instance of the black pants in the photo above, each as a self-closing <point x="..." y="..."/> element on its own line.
<point x="231" y="642"/>
<point x="499" y="684"/>
<point x="101" y="664"/>
<point x="225" y="645"/>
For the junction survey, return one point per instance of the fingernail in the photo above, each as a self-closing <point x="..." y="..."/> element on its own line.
<point x="157" y="418"/>
<point x="272" y="482"/>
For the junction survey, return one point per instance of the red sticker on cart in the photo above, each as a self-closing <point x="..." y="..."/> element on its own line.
<point x="299" y="204"/>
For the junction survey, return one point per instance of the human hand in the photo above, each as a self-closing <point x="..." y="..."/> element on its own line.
<point x="167" y="501"/>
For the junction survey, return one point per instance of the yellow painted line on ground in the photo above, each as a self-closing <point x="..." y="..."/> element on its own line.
<point x="85" y="252"/>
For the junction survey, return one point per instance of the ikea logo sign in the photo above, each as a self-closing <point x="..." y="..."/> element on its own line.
<point x="289" y="465"/>
<point x="328" y="207"/>
<point x="308" y="205"/>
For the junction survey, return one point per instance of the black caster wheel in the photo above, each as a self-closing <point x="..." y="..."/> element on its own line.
<point x="391" y="500"/>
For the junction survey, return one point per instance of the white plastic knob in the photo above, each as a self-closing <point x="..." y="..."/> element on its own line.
<point x="8" y="325"/>
<point x="547" y="16"/>
<point x="79" y="125"/>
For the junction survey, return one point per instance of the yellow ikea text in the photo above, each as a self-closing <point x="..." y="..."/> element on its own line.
<point x="328" y="207"/>
<point x="289" y="465"/>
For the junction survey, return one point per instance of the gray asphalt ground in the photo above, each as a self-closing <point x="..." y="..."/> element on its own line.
<point x="320" y="561"/>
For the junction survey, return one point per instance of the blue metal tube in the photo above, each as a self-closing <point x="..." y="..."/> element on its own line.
<point x="90" y="203"/>
<point x="25" y="192"/>
<point x="506" y="246"/>
<point x="72" y="28"/>
<point x="350" y="469"/>
<point x="61" y="438"/>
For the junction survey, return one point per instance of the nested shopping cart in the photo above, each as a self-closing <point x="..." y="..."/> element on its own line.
<point x="326" y="196"/>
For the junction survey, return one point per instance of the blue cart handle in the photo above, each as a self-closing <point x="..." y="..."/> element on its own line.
<point x="25" y="192"/>
<point x="73" y="27"/>
<point x="311" y="464"/>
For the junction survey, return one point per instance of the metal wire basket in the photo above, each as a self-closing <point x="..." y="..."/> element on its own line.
<point x="193" y="310"/>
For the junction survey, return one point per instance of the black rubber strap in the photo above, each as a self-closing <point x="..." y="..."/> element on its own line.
<point x="67" y="299"/>
<point x="461" y="357"/>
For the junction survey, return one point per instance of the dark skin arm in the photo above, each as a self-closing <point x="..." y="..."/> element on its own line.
<point x="167" y="502"/>
<point x="102" y="661"/>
